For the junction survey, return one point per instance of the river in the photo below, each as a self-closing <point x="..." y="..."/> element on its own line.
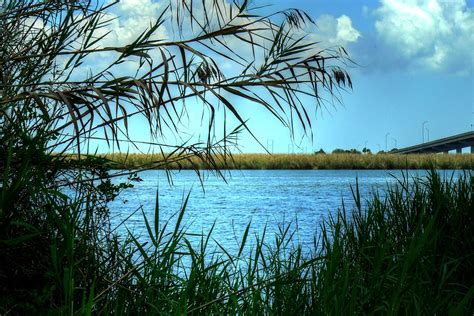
<point x="265" y="198"/>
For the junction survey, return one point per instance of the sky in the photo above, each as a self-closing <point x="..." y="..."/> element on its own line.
<point x="414" y="64"/>
<point x="413" y="73"/>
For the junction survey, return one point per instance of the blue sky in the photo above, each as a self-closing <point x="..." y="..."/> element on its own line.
<point x="413" y="63"/>
<point x="402" y="78"/>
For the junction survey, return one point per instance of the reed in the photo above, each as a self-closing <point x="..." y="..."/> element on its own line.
<point x="411" y="251"/>
<point x="296" y="161"/>
<point x="59" y="255"/>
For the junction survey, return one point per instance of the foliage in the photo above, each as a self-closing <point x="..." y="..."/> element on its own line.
<point x="408" y="252"/>
<point x="345" y="151"/>
<point x="64" y="90"/>
<point x="59" y="254"/>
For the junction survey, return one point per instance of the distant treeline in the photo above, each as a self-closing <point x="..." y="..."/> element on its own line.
<point x="294" y="161"/>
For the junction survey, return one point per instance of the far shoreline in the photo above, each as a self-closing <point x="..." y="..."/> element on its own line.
<point x="316" y="161"/>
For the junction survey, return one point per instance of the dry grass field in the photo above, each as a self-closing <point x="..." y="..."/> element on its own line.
<point x="299" y="161"/>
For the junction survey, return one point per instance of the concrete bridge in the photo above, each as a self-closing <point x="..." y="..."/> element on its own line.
<point x="456" y="142"/>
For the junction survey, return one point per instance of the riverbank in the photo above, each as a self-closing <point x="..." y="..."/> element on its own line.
<point x="296" y="161"/>
<point x="408" y="251"/>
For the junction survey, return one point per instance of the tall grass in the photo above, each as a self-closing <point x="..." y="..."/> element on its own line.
<point x="410" y="252"/>
<point x="59" y="253"/>
<point x="298" y="161"/>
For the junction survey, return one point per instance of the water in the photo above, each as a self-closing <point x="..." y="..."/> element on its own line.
<point x="266" y="198"/>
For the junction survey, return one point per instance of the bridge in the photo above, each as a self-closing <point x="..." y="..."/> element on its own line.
<point x="456" y="142"/>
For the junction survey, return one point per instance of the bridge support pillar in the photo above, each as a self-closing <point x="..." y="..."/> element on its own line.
<point x="458" y="150"/>
<point x="472" y="149"/>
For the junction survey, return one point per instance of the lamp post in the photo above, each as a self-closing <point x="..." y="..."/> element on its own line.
<point x="386" y="141"/>
<point x="395" y="141"/>
<point x="427" y="134"/>
<point x="423" y="131"/>
<point x="270" y="145"/>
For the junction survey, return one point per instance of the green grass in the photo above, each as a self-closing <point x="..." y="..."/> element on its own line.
<point x="299" y="161"/>
<point x="411" y="252"/>
<point x="59" y="255"/>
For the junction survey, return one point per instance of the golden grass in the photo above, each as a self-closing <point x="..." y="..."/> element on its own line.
<point x="300" y="161"/>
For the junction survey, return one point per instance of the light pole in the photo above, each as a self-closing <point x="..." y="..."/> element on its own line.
<point x="395" y="141"/>
<point x="270" y="145"/>
<point x="386" y="141"/>
<point x="423" y="131"/>
<point x="291" y="148"/>
<point x="427" y="134"/>
<point x="472" y="120"/>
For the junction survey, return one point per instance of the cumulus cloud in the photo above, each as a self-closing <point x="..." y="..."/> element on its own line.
<point x="427" y="34"/>
<point x="132" y="17"/>
<point x="127" y="20"/>
<point x="335" y="31"/>
<point x="137" y="7"/>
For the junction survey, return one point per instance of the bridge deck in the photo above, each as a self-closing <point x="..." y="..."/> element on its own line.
<point x="455" y="142"/>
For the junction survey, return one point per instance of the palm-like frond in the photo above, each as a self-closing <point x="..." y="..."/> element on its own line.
<point x="66" y="86"/>
<point x="48" y="44"/>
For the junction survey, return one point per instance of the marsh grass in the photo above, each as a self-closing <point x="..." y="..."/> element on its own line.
<point x="59" y="253"/>
<point x="411" y="251"/>
<point x="297" y="161"/>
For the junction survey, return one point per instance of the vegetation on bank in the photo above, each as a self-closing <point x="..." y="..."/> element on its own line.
<point x="295" y="161"/>
<point x="59" y="253"/>
<point x="411" y="251"/>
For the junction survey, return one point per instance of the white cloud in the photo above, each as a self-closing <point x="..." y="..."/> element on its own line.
<point x="345" y="31"/>
<point x="139" y="7"/>
<point x="428" y="34"/>
<point x="336" y="31"/>
<point x="135" y="16"/>
<point x="127" y="21"/>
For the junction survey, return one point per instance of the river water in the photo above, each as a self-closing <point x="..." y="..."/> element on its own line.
<point x="265" y="198"/>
